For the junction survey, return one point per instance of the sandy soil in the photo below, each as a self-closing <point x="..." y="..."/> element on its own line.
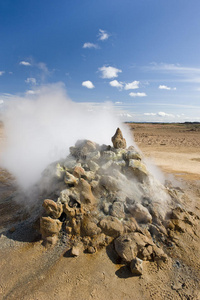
<point x="30" y="271"/>
<point x="173" y="147"/>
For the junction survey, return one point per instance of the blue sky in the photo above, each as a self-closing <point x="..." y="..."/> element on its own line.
<point x="143" y="56"/>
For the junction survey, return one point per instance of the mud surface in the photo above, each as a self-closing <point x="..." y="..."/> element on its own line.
<point x="30" y="271"/>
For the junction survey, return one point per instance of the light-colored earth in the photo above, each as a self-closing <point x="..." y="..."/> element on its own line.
<point x="30" y="271"/>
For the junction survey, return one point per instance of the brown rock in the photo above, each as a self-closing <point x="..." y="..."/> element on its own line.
<point x="52" y="208"/>
<point x="91" y="250"/>
<point x="51" y="240"/>
<point x="76" y="226"/>
<point x="76" y="249"/>
<point x="49" y="226"/>
<point x="89" y="228"/>
<point x="136" y="266"/>
<point x="126" y="248"/>
<point x="69" y="211"/>
<point x="111" y="226"/>
<point x="86" y="192"/>
<point x="118" y="140"/>
<point x="130" y="245"/>
<point x="78" y="172"/>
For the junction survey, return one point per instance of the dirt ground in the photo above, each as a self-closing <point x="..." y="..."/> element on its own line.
<point x="30" y="271"/>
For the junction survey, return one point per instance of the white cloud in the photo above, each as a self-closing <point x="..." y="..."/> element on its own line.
<point x="103" y="35"/>
<point x="164" y="87"/>
<point x="132" y="85"/>
<point x="109" y="72"/>
<point x="116" y="84"/>
<point x="1" y="73"/>
<point x="137" y="94"/>
<point x="118" y="102"/>
<point x="124" y="115"/>
<point x="88" y="84"/>
<point x="150" y="114"/>
<point x="31" y="80"/>
<point x="30" y="92"/>
<point x="163" y="114"/>
<point x="1" y="101"/>
<point x="25" y="63"/>
<point x="90" y="45"/>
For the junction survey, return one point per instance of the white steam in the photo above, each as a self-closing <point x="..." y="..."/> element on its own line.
<point x="41" y="127"/>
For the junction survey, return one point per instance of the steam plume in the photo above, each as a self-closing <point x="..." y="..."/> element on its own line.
<point x="41" y="127"/>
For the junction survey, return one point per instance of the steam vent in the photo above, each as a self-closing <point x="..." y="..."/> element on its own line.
<point x="105" y="194"/>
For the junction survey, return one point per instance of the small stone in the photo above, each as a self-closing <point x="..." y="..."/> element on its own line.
<point x="51" y="240"/>
<point x="118" y="140"/>
<point x="75" y="251"/>
<point x="136" y="266"/>
<point x="91" y="250"/>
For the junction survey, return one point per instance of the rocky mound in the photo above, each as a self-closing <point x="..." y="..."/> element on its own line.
<point x="101" y="194"/>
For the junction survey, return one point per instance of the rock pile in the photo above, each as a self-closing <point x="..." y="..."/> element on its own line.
<point x="104" y="193"/>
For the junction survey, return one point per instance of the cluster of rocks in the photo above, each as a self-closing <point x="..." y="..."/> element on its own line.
<point x="101" y="194"/>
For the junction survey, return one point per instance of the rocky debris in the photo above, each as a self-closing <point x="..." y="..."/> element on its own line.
<point x="118" y="140"/>
<point x="136" y="266"/>
<point x="135" y="244"/>
<point x="106" y="193"/>
<point x="178" y="220"/>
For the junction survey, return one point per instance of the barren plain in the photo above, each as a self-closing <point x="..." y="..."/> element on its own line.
<point x="30" y="271"/>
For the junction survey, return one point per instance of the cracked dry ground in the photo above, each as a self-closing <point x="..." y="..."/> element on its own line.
<point x="30" y="271"/>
